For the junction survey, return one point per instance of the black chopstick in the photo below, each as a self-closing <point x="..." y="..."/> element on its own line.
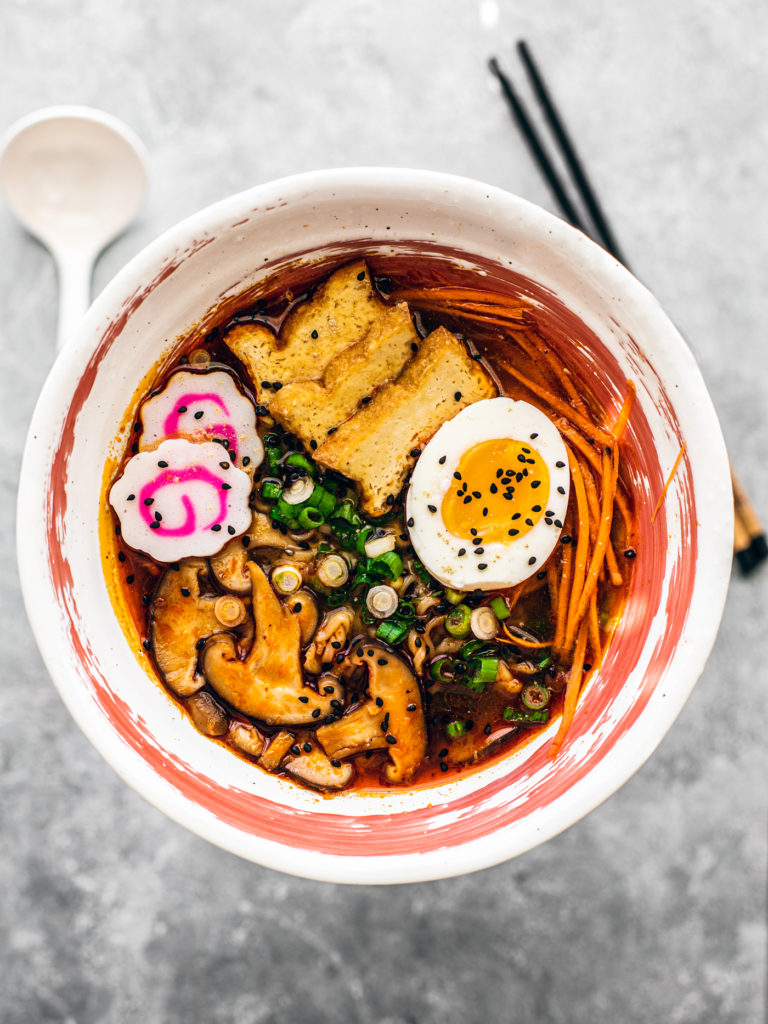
<point x="751" y="548"/>
<point x="536" y="146"/>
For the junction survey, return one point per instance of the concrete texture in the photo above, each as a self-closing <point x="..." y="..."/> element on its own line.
<point x="651" y="909"/>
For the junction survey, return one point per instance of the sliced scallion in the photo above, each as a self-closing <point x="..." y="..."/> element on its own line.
<point x="485" y="670"/>
<point x="299" y="491"/>
<point x="271" y="489"/>
<point x="392" y="632"/>
<point x="375" y="546"/>
<point x="333" y="571"/>
<point x="544" y="663"/>
<point x="389" y="564"/>
<point x="499" y="608"/>
<point x="442" y="670"/>
<point x="525" y="717"/>
<point x="310" y="518"/>
<point x="322" y="500"/>
<point x="484" y="623"/>
<point x="457" y="621"/>
<point x="286" y="579"/>
<point x="456" y="729"/>
<point x="535" y="696"/>
<point x="453" y="596"/>
<point x="299" y="461"/>
<point x="381" y="601"/>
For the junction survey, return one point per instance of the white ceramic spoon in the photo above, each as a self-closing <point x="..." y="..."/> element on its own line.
<point x="75" y="177"/>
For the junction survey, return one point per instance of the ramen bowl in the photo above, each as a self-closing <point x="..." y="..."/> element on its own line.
<point x="678" y="586"/>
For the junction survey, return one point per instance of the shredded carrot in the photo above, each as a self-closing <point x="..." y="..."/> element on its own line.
<point x="582" y="549"/>
<point x="557" y="403"/>
<point x="610" y="473"/>
<point x="621" y="420"/>
<point x="552" y="583"/>
<point x="562" y="597"/>
<point x="560" y="371"/>
<point x="663" y="494"/>
<point x="572" y="690"/>
<point x="594" y="630"/>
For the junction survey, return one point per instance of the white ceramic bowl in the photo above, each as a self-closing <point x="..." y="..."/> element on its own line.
<point x="655" y="658"/>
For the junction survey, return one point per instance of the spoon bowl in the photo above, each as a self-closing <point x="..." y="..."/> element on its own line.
<point x="75" y="178"/>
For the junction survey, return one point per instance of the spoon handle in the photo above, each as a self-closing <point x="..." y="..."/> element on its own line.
<point x="75" y="271"/>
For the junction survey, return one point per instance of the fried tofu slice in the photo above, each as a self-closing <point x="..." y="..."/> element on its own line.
<point x="339" y="314"/>
<point x="309" y="409"/>
<point x="373" y="446"/>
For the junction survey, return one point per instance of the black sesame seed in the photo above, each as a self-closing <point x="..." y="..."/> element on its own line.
<point x="485" y="511"/>
<point x="516" y="515"/>
<point x="361" y="276"/>
<point x="316" y="713"/>
<point x="313" y="335"/>
<point x="120" y="557"/>
<point x="476" y="356"/>
<point x="536" y="508"/>
<point x="335" y="644"/>
<point x="532" y="560"/>
<point x="494" y="489"/>
<point x="200" y="644"/>
<point x="154" y="526"/>
<point x="432" y="508"/>
<point x="231" y="531"/>
<point x="385" y="723"/>
<point x="415" y="453"/>
<point x="146" y="645"/>
<point x="331" y="430"/>
<point x="561" y="490"/>
<point x="410" y="521"/>
<point x="261" y="410"/>
<point x="442" y="459"/>
<point x="199" y="414"/>
<point x="131" y="497"/>
<point x="245" y="541"/>
<point x="149" y="501"/>
<point x="487" y="729"/>
<point x="134" y="448"/>
<point x="216" y="527"/>
<point x="461" y="552"/>
<point x="339" y="659"/>
<point x="479" y="551"/>
<point x="457" y="396"/>
<point x="335" y="762"/>
<point x="382" y="661"/>
<point x="295" y="750"/>
<point x="224" y="465"/>
<point x="541" y="575"/>
<point x="304" y="700"/>
<point x="443" y="766"/>
<point x="482" y="565"/>
<point x="443" y="752"/>
<point x="535" y="484"/>
<point x="467" y="499"/>
<point x="411" y="707"/>
<point x="296" y="608"/>
<point x="558" y="524"/>
<point x="513" y="533"/>
<point x="185" y="591"/>
<point x="162" y="464"/>
<point x="175" y="566"/>
<point x="457" y="475"/>
<point x="366" y="400"/>
<point x="369" y="653"/>
<point x="560" y="465"/>
<point x="390" y="738"/>
<point x="630" y="553"/>
<point x="226" y="487"/>
<point x="565" y="539"/>
<point x="390" y="500"/>
<point x="529" y="522"/>
<point x="130" y="578"/>
<point x="360" y="652"/>
<point x="518" y="477"/>
<point x="307" y="748"/>
<point x="379" y="702"/>
<point x="414" y="347"/>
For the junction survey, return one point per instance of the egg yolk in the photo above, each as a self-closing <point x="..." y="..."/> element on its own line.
<point x="498" y="493"/>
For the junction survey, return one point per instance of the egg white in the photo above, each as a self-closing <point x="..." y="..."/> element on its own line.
<point x="509" y="562"/>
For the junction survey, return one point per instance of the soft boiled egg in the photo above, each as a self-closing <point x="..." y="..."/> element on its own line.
<point x="488" y="496"/>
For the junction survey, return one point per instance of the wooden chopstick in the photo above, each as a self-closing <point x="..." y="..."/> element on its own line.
<point x="750" y="546"/>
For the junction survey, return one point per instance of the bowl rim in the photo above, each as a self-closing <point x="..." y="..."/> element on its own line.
<point x="712" y="571"/>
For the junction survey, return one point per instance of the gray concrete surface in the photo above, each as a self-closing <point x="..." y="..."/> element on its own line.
<point x="652" y="909"/>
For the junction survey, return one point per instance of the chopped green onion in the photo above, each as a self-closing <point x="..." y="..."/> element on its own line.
<point x="499" y="608"/>
<point x="333" y="571"/>
<point x="392" y="632"/>
<point x="389" y="564"/>
<point x="525" y="717"/>
<point x="484" y="623"/>
<point x="545" y="663"/>
<point x="535" y="696"/>
<point x="273" y="451"/>
<point x="375" y="546"/>
<point x="381" y="601"/>
<point x="474" y="648"/>
<point x="286" y="579"/>
<point x="271" y="489"/>
<point x="485" y="670"/>
<point x="457" y="621"/>
<point x="453" y="596"/>
<point x="442" y="670"/>
<point x="299" y="492"/>
<point x="361" y="538"/>
<point x="300" y="462"/>
<point x="310" y="518"/>
<point x="322" y="500"/>
<point x="421" y="572"/>
<point x="285" y="514"/>
<point x="457" y="728"/>
<point x="347" y="512"/>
